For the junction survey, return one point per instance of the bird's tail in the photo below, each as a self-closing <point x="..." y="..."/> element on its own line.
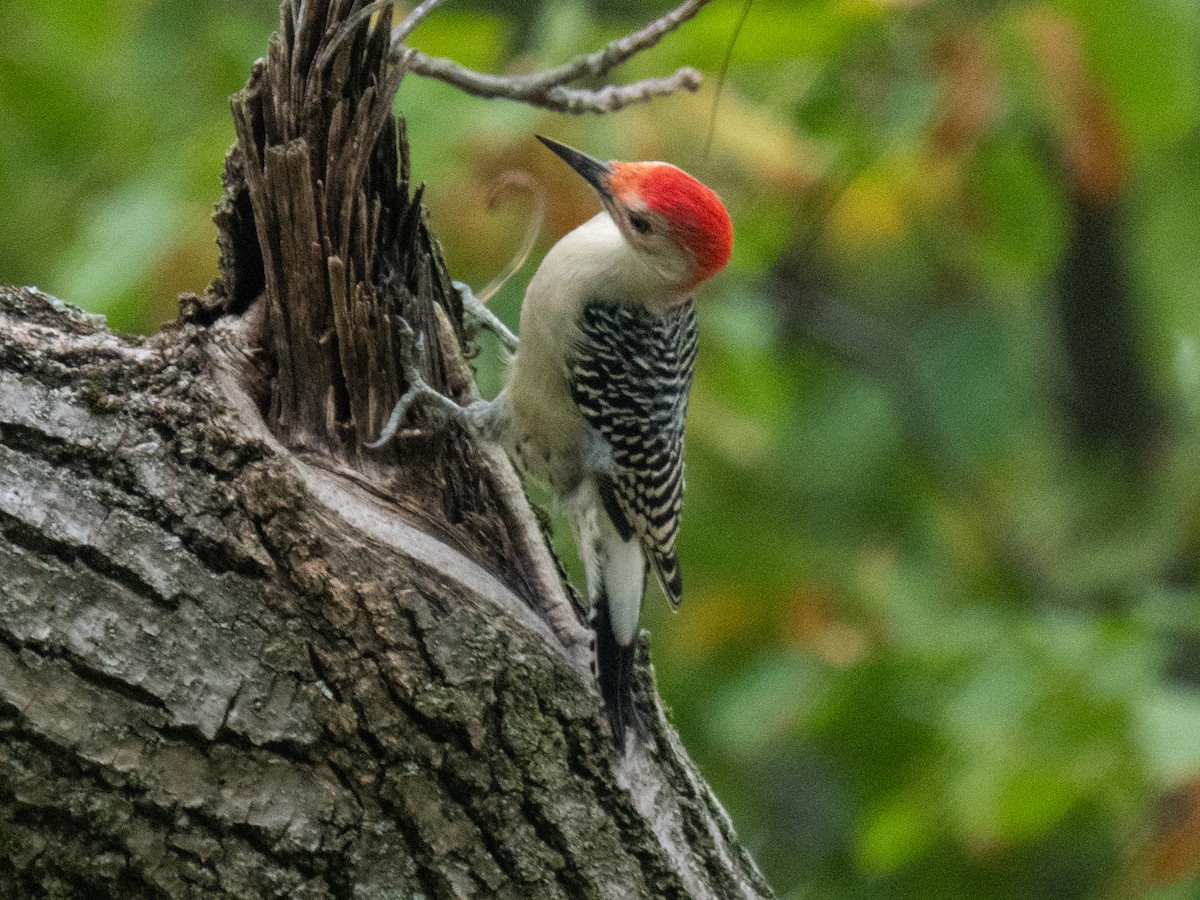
<point x="613" y="663"/>
<point x="616" y="577"/>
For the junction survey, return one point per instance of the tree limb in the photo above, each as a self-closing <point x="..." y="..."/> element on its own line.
<point x="231" y="669"/>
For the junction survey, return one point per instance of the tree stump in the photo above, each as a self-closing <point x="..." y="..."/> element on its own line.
<point x="243" y="656"/>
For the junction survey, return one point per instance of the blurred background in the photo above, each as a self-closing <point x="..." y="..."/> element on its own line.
<point x="942" y="532"/>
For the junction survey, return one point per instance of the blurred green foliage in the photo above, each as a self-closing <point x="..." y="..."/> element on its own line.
<point x="942" y="529"/>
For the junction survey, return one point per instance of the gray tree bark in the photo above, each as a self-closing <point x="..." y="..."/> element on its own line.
<point x="242" y="656"/>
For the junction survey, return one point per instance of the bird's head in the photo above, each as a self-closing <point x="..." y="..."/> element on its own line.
<point x="661" y="211"/>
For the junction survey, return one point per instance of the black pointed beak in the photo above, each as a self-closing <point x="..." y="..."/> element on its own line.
<point x="593" y="171"/>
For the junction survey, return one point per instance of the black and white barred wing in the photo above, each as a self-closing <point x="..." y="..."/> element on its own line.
<point x="630" y="377"/>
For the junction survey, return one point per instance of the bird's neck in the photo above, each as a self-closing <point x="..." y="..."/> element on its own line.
<point x="603" y="261"/>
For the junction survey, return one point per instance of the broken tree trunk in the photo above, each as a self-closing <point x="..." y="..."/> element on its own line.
<point x="243" y="656"/>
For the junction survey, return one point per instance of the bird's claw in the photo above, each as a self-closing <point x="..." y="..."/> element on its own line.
<point x="477" y="310"/>
<point x="418" y="389"/>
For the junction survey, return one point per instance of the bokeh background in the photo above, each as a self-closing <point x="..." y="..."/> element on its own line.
<point x="942" y="534"/>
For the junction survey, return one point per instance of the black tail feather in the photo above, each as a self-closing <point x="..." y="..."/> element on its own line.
<point x="614" y="669"/>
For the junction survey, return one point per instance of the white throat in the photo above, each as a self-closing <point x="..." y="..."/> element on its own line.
<point x="596" y="259"/>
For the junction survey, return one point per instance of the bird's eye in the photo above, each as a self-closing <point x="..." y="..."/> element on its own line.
<point x="639" y="223"/>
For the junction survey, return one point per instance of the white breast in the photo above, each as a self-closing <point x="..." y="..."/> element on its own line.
<point x="594" y="262"/>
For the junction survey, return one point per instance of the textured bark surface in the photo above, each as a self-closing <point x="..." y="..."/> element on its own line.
<point x="242" y="657"/>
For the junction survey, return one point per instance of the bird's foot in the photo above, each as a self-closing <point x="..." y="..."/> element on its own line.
<point x="481" y="315"/>
<point x="440" y="407"/>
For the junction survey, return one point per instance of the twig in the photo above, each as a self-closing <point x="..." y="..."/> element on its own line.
<point x="413" y="19"/>
<point x="604" y="60"/>
<point x="549" y="89"/>
<point x="721" y="75"/>
<point x="531" y="89"/>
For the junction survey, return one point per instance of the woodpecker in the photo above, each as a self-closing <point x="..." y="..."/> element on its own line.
<point x="597" y="388"/>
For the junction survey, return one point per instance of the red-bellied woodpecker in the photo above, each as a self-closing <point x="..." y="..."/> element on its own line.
<point x="597" y="390"/>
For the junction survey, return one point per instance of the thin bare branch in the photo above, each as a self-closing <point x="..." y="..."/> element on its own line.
<point x="413" y="19"/>
<point x="607" y="58"/>
<point x="548" y="89"/>
<point x="617" y="96"/>
<point x="531" y="90"/>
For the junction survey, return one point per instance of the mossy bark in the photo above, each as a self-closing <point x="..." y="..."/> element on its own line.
<point x="240" y="655"/>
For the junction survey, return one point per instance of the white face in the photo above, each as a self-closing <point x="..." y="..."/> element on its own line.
<point x="650" y="235"/>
